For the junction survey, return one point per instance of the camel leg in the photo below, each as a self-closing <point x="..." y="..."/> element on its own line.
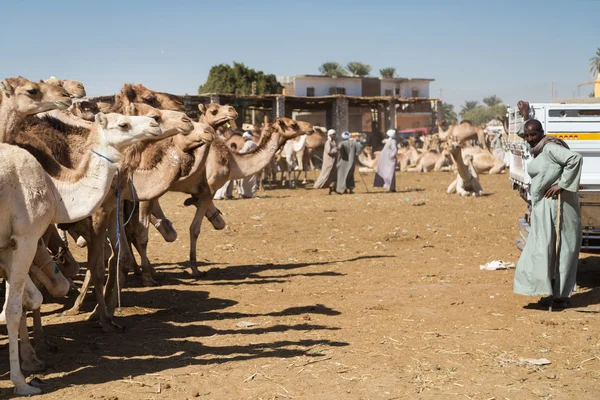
<point x="31" y="362"/>
<point x="214" y="216"/>
<point x="161" y="222"/>
<point x="42" y="344"/>
<point x="96" y="267"/>
<point x="82" y="293"/>
<point x="452" y="187"/>
<point x="19" y="261"/>
<point x="140" y="242"/>
<point x="201" y="208"/>
<point x="114" y="287"/>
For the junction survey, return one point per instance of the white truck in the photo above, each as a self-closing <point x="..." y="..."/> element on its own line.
<point x="579" y="126"/>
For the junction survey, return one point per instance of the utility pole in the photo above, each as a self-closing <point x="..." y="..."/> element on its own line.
<point x="253" y="107"/>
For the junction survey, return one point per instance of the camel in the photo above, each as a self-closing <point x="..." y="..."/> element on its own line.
<point x="222" y="165"/>
<point x="485" y="162"/>
<point x="431" y="161"/>
<point x="462" y="132"/>
<point x="151" y="179"/>
<point x="74" y="88"/>
<point x="31" y="200"/>
<point x="21" y="98"/>
<point x="467" y="180"/>
<point x="369" y="159"/>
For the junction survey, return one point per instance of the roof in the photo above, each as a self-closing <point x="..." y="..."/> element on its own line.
<point x="398" y="79"/>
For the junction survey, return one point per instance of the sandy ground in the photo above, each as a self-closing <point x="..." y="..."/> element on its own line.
<point x="310" y="296"/>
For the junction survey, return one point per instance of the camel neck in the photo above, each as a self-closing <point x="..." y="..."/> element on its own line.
<point x="243" y="165"/>
<point x="10" y="122"/>
<point x="80" y="198"/>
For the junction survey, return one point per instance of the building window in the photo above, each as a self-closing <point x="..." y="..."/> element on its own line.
<point x="310" y="91"/>
<point x="388" y="92"/>
<point x="415" y="92"/>
<point x="337" y="90"/>
<point x="397" y="91"/>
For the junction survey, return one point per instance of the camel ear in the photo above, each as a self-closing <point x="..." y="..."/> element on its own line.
<point x="129" y="92"/>
<point x="202" y="108"/>
<point x="101" y="120"/>
<point x="6" y="87"/>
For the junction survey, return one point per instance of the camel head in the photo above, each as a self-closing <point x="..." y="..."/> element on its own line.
<point x="116" y="132"/>
<point x="216" y="115"/>
<point x="85" y="110"/>
<point x="202" y="134"/>
<point x="454" y="148"/>
<point x="170" y="122"/>
<point x="74" y="88"/>
<point x="29" y="98"/>
<point x="141" y="94"/>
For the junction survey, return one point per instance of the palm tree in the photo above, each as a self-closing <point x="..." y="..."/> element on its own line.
<point x="387" y="72"/>
<point x="595" y="64"/>
<point x="357" y="68"/>
<point x="492" y="101"/>
<point x="469" y="105"/>
<point x="448" y="114"/>
<point x="332" y="68"/>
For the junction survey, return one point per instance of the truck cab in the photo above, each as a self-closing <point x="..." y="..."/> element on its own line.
<point x="579" y="126"/>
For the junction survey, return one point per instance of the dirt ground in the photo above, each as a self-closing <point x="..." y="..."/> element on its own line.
<point x="309" y="296"/>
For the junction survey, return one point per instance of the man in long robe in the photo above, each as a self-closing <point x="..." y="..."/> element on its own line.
<point x="348" y="151"/>
<point x="248" y="186"/>
<point x="555" y="173"/>
<point x="385" y="172"/>
<point x="328" y="173"/>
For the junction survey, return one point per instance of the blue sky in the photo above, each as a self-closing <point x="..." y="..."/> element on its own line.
<point x="513" y="49"/>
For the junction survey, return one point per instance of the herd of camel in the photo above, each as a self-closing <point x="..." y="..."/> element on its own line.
<point x="96" y="171"/>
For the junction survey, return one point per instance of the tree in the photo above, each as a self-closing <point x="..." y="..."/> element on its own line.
<point x="595" y="64"/>
<point x="357" y="68"/>
<point x="469" y="105"/>
<point x="482" y="115"/>
<point x="492" y="101"/>
<point x="387" y="73"/>
<point x="331" y="68"/>
<point x="238" y="79"/>
<point x="448" y="114"/>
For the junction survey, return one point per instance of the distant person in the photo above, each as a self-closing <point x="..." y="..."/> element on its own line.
<point x="248" y="186"/>
<point x="226" y="192"/>
<point x="555" y="172"/>
<point x="385" y="173"/>
<point x="348" y="151"/>
<point x="328" y="173"/>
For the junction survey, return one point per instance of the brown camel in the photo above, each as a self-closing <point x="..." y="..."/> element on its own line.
<point x="20" y="98"/>
<point x="74" y="88"/>
<point x="222" y="165"/>
<point x="432" y="161"/>
<point x="462" y="132"/>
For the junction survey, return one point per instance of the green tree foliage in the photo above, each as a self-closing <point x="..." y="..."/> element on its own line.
<point x="387" y="73"/>
<point x="468" y="106"/>
<point x="358" y="69"/>
<point x="492" y="101"/>
<point x="595" y="64"/>
<point x="448" y="114"/>
<point x="238" y="79"/>
<point x="332" y="68"/>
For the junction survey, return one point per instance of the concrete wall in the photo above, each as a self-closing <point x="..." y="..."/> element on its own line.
<point x="421" y="86"/>
<point x="410" y="121"/>
<point x="353" y="86"/>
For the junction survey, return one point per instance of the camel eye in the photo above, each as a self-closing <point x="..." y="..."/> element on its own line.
<point x="214" y="112"/>
<point x="32" y="91"/>
<point x="156" y="118"/>
<point x="124" y="125"/>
